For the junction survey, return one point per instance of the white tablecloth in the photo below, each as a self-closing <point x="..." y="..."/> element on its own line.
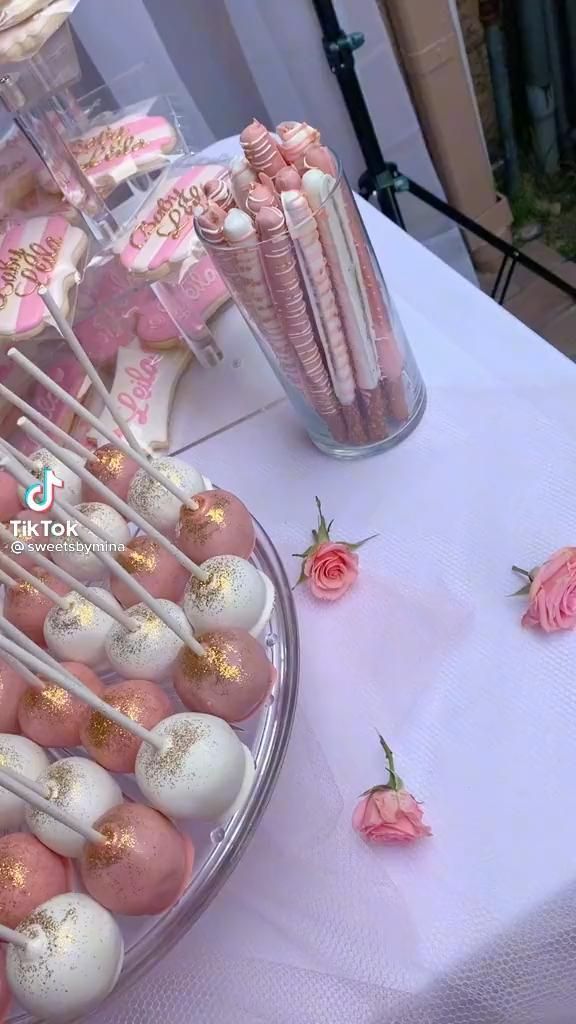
<point x="477" y="924"/>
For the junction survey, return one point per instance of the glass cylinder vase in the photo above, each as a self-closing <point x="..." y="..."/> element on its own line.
<point x="306" y="280"/>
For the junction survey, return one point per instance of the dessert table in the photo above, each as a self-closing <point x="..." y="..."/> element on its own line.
<point x="475" y="925"/>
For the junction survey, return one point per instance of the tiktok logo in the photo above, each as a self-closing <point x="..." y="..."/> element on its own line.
<point x="40" y="497"/>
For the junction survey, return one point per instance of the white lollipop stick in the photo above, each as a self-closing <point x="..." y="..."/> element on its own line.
<point x="63" y="512"/>
<point x="23" y="574"/>
<point x="34" y="414"/>
<point x="112" y="499"/>
<point x="52" y="670"/>
<point x="10" y="782"/>
<point x="30" y="784"/>
<point x="75" y="586"/>
<point x="89" y="417"/>
<point x="15" y="938"/>
<point x="6" y="579"/>
<point x="26" y="674"/>
<point x="71" y="340"/>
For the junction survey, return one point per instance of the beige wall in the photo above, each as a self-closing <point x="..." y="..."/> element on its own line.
<point x="478" y="60"/>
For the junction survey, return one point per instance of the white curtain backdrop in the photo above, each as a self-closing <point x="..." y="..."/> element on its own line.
<point x="236" y="59"/>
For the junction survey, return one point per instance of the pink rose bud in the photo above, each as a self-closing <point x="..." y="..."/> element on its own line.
<point x="389" y="816"/>
<point x="331" y="569"/>
<point x="552" y="593"/>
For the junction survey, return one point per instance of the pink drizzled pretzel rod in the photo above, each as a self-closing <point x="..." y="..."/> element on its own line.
<point x="304" y="231"/>
<point x="261" y="149"/>
<point x="260" y="195"/>
<point x="286" y="179"/>
<point x="295" y="139"/>
<point x="241" y="235"/>
<point x="282" y="276"/>
<point x="242" y="176"/>
<point x="390" y="358"/>
<point x="219" y="191"/>
<point x="348" y="296"/>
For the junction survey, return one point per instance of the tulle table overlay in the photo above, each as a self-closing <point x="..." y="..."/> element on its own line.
<point x="475" y="925"/>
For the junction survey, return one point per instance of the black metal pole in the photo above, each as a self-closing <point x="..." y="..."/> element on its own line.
<point x="339" y="49"/>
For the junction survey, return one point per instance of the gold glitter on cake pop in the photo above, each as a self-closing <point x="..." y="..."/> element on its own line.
<point x="50" y="702"/>
<point x="102" y="731"/>
<point x="215" y="659"/>
<point x="13" y="874"/>
<point x="141" y="559"/>
<point x="111" y="463"/>
<point x="166" y="765"/>
<point x="120" y="840"/>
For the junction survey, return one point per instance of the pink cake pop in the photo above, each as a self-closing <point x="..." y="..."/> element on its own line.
<point x="12" y="686"/>
<point x="53" y="718"/>
<point x="24" y="533"/>
<point x="114" y="469"/>
<point x="152" y="566"/>
<point x="10" y="504"/>
<point x="30" y="874"/>
<point x="231" y="681"/>
<point x="144" y="865"/>
<point x="108" y="743"/>
<point x="26" y="608"/>
<point x="220" y="525"/>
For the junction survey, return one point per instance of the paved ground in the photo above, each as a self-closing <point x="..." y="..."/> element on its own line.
<point x="542" y="307"/>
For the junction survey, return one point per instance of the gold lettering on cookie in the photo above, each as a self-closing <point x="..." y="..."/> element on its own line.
<point x="109" y="144"/>
<point x="25" y="270"/>
<point x="171" y="216"/>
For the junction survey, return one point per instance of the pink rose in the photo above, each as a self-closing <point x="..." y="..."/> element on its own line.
<point x="389" y="816"/>
<point x="331" y="570"/>
<point x="553" y="593"/>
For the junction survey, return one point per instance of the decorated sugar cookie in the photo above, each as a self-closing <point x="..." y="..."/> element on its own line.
<point x="143" y="389"/>
<point x="191" y="302"/>
<point x="163" y="234"/>
<point x="26" y="38"/>
<point x="133" y="144"/>
<point x="12" y="12"/>
<point x="36" y="252"/>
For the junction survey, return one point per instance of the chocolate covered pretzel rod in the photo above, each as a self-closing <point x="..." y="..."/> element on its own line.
<point x="282" y="276"/>
<point x="261" y="149"/>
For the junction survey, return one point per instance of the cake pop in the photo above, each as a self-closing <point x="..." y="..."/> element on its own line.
<point x="231" y="680"/>
<point x="144" y="865"/>
<point x="10" y="502"/>
<point x="235" y="595"/>
<point x="203" y="771"/>
<point x="72" y="959"/>
<point x="79" y="632"/>
<point x="12" y="687"/>
<point x="219" y="525"/>
<point x="30" y="874"/>
<point x="20" y="755"/>
<point x="77" y="558"/>
<point x="83" y="790"/>
<point x="50" y="716"/>
<point x="154" y="567"/>
<point x="113" y="468"/>
<point x="108" y="743"/>
<point x="43" y="459"/>
<point x="154" y="502"/>
<point x="150" y="651"/>
<point x="26" y="607"/>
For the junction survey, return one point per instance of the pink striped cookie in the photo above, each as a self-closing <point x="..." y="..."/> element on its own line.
<point x="36" y="252"/>
<point x="163" y="234"/>
<point x="117" y="151"/>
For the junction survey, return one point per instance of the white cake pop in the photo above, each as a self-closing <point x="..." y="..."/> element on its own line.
<point x="25" y="757"/>
<point x="81" y="788"/>
<point x="76" y="558"/>
<point x="235" y="595"/>
<point x="79" y="632"/>
<point x="44" y="459"/>
<point x="154" y="502"/>
<point x="150" y="651"/>
<point x="204" y="772"/>
<point x="72" y="962"/>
